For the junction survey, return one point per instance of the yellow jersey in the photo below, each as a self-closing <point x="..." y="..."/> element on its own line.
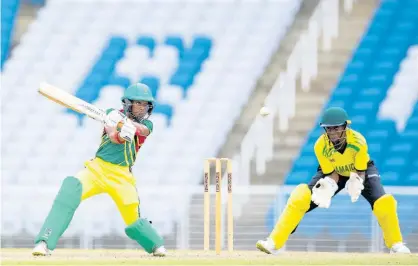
<point x="354" y="157"/>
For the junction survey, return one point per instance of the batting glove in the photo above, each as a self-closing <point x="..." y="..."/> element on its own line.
<point x="354" y="186"/>
<point x="114" y="118"/>
<point x="128" y="130"/>
<point x="323" y="191"/>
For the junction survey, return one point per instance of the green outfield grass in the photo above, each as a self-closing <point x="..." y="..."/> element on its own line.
<point x="133" y="257"/>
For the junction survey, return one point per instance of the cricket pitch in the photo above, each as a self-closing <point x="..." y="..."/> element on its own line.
<point x="195" y="257"/>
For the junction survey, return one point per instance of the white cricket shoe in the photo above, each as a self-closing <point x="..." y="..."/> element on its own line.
<point x="160" y="252"/>
<point x="267" y="246"/>
<point x="400" y="248"/>
<point x="41" y="249"/>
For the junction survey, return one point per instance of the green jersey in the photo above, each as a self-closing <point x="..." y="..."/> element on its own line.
<point x="122" y="154"/>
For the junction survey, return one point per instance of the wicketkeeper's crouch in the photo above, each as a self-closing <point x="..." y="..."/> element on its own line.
<point x="109" y="172"/>
<point x="343" y="162"/>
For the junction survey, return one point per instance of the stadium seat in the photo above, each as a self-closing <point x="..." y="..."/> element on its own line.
<point x="407" y="213"/>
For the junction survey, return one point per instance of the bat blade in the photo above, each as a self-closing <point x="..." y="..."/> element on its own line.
<point x="70" y="101"/>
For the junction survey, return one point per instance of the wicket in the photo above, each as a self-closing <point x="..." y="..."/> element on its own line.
<point x="218" y="204"/>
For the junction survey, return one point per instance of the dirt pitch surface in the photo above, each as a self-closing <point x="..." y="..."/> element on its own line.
<point x="175" y="257"/>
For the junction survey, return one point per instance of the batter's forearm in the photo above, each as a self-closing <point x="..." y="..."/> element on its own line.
<point x="141" y="130"/>
<point x="114" y="135"/>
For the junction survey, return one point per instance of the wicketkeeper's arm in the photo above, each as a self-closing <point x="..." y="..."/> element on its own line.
<point x="362" y="174"/>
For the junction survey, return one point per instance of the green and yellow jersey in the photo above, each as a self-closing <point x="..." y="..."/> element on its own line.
<point x="354" y="157"/>
<point x="122" y="154"/>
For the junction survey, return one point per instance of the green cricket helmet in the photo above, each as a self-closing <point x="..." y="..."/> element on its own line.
<point x="137" y="92"/>
<point x="334" y="116"/>
<point x="332" y="120"/>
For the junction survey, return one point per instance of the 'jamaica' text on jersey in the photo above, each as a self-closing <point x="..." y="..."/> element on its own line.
<point x="354" y="157"/>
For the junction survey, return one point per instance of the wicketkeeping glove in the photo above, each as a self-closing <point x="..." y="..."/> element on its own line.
<point x="323" y="191"/>
<point x="354" y="186"/>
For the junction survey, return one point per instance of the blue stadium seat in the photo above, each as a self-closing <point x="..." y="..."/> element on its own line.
<point x="194" y="56"/>
<point x="412" y="179"/>
<point x="390" y="178"/>
<point x="164" y="109"/>
<point x="378" y="80"/>
<point x="103" y="66"/>
<point x="184" y="80"/>
<point x="306" y="163"/>
<point x="369" y="42"/>
<point x="86" y="93"/>
<point x="188" y="67"/>
<point x="415" y="111"/>
<point x="363" y="55"/>
<point x="379" y="27"/>
<point x="9" y="9"/>
<point x="314" y="135"/>
<point x="147" y="41"/>
<point x="96" y="80"/>
<point x="118" y="42"/>
<point x="394" y="163"/>
<point x="349" y="81"/>
<point x="407" y="213"/>
<point x="412" y="123"/>
<point x="297" y="177"/>
<point x="355" y="66"/>
<point x="152" y="82"/>
<point x="401" y="148"/>
<point x="349" y="222"/>
<point x="271" y="217"/>
<point x="341" y="103"/>
<point x="343" y="94"/>
<point x="411" y="170"/>
<point x="387" y="67"/>
<point x="313" y="224"/>
<point x="360" y="122"/>
<point x="409" y="135"/>
<point x="124" y="82"/>
<point x="175" y="41"/>
<point x="388" y="125"/>
<point x="372" y="94"/>
<point x="202" y="42"/>
<point x="377" y="151"/>
<point x="308" y="149"/>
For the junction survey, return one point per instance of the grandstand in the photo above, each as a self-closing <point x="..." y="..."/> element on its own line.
<point x="210" y="65"/>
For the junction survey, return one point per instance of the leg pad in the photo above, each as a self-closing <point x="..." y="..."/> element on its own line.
<point x="62" y="211"/>
<point x="145" y="234"/>
<point x="297" y="205"/>
<point x="385" y="210"/>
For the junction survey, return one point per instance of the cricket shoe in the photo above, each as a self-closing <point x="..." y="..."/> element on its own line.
<point x="41" y="249"/>
<point x="267" y="246"/>
<point x="160" y="252"/>
<point x="400" y="248"/>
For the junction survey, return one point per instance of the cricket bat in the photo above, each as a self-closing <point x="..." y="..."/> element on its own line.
<point x="70" y="101"/>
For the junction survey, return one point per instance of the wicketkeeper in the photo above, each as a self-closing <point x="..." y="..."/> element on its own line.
<point x="344" y="162"/>
<point x="109" y="172"/>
